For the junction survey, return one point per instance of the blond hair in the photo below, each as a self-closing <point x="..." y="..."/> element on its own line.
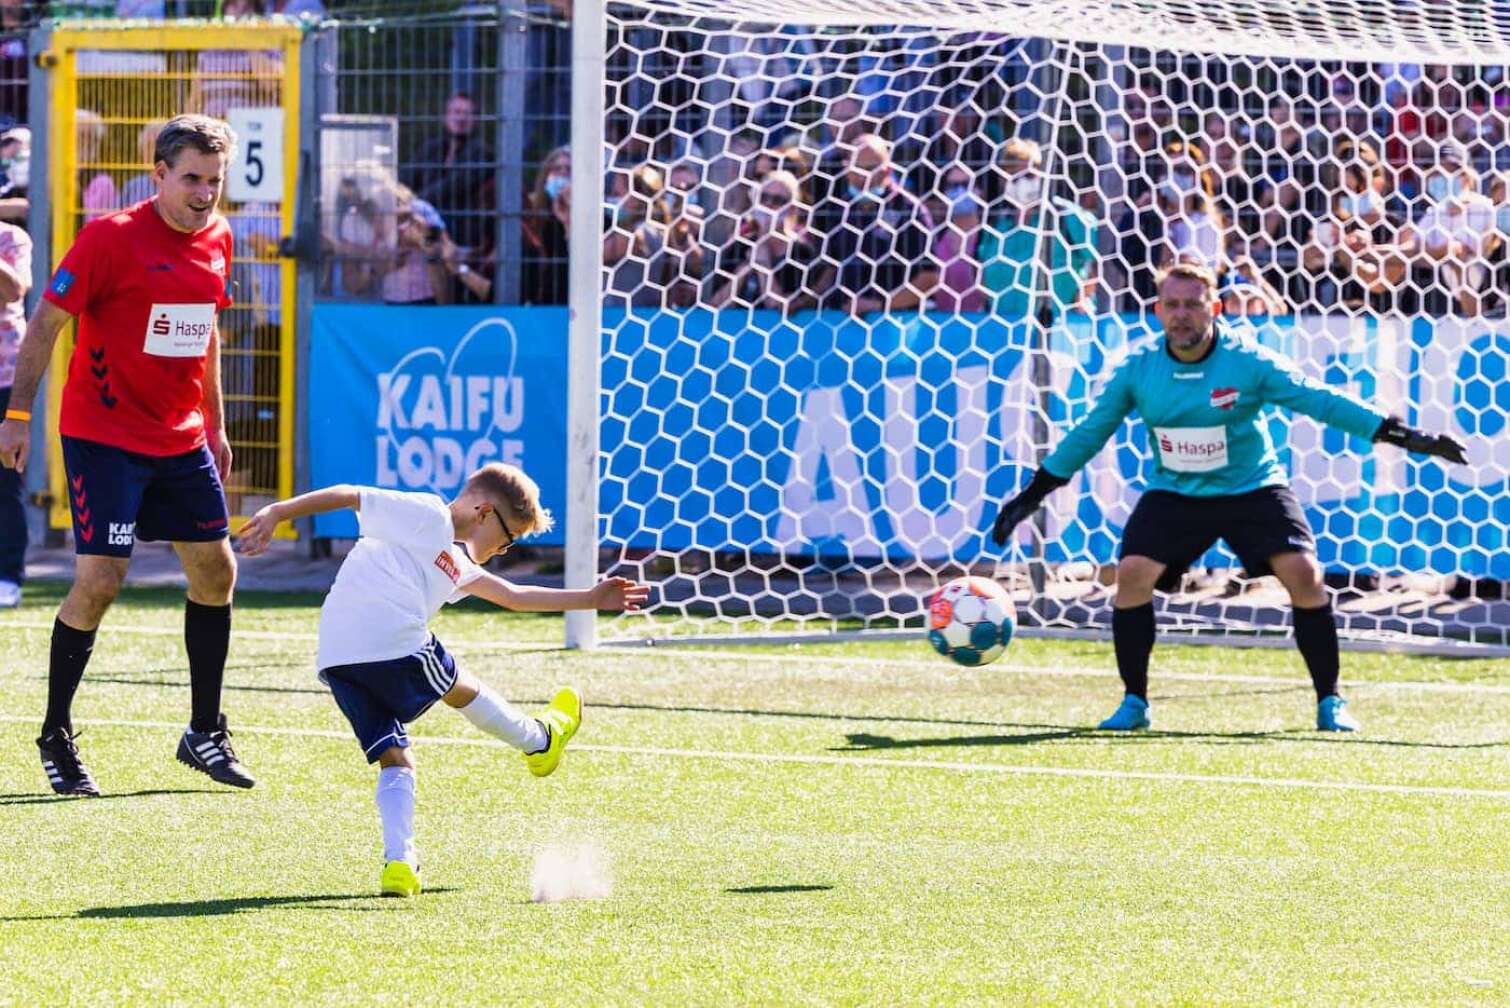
<point x="514" y="494"/>
<point x="1020" y="149"/>
<point x="1187" y="270"/>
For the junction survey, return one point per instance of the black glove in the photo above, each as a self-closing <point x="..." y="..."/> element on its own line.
<point x="1420" y="442"/>
<point x="1024" y="504"/>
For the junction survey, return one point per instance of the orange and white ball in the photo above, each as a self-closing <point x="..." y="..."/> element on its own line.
<point x="971" y="620"/>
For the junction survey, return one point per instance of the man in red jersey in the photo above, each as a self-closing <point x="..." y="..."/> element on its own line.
<point x="144" y="443"/>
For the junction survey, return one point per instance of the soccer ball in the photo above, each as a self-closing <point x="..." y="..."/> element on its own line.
<point x="971" y="620"/>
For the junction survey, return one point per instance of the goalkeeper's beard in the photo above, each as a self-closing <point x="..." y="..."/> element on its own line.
<point x="1188" y="338"/>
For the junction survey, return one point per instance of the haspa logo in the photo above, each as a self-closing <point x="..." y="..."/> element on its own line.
<point x="444" y="412"/>
<point x="1224" y="398"/>
<point x="179" y="330"/>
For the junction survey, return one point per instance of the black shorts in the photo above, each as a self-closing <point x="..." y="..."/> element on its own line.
<point x="1175" y="529"/>
<point x="119" y="496"/>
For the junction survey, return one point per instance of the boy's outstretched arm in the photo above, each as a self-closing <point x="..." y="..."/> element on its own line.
<point x="614" y="594"/>
<point x="258" y="531"/>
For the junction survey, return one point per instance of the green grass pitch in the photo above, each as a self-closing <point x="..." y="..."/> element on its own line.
<point x="847" y="824"/>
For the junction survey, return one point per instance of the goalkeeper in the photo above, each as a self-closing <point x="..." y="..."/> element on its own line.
<point x="1216" y="476"/>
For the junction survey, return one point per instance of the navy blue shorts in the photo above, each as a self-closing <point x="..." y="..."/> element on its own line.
<point x="119" y="496"/>
<point x="380" y="698"/>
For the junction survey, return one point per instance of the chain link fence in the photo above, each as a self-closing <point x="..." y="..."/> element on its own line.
<point x="433" y="127"/>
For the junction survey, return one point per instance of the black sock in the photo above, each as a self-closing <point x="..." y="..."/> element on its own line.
<point x="65" y="668"/>
<point x="207" y="638"/>
<point x="1316" y="636"/>
<point x="1132" y="637"/>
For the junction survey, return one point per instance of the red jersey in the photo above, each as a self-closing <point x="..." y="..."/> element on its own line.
<point x="146" y="297"/>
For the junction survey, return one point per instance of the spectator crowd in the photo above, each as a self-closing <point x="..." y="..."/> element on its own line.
<point x="1339" y="189"/>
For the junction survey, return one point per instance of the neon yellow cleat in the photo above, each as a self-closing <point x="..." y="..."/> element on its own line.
<point x="400" y="879"/>
<point x="561" y="720"/>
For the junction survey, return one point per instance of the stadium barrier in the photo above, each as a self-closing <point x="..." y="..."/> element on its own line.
<point x="899" y="436"/>
<point x="104" y="89"/>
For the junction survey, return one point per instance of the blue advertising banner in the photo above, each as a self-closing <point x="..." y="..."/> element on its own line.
<point x="741" y="430"/>
<point x="417" y="398"/>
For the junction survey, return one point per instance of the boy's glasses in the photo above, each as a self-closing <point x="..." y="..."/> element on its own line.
<point x="509" y="542"/>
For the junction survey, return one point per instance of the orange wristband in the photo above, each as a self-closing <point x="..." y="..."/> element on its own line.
<point x="17" y="414"/>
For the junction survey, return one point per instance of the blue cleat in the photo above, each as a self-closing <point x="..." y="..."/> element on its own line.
<point x="1130" y="715"/>
<point x="1331" y="715"/>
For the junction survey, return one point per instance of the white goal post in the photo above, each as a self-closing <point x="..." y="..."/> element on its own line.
<point x="842" y="273"/>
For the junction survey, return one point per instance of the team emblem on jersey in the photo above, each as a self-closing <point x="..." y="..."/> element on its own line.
<point x="446" y="564"/>
<point x="1223" y="398"/>
<point x="61" y="281"/>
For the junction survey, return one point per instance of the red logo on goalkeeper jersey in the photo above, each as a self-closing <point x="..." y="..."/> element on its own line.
<point x="445" y="563"/>
<point x="1224" y="398"/>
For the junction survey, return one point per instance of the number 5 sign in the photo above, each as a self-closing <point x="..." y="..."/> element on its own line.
<point x="257" y="171"/>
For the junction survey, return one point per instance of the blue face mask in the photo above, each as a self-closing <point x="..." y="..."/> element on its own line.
<point x="554" y="184"/>
<point x="953" y="193"/>
<point x="965" y="205"/>
<point x="1440" y="187"/>
<point x="875" y="193"/>
<point x="1359" y="204"/>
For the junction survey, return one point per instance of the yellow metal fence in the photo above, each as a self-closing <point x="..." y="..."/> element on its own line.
<point x="111" y="90"/>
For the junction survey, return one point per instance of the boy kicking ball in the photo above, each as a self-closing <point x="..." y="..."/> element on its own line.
<point x="376" y="652"/>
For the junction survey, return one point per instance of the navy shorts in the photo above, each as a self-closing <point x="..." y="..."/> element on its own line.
<point x="119" y="496"/>
<point x="1176" y="529"/>
<point x="380" y="698"/>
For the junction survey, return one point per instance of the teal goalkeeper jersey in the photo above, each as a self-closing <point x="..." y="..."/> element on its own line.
<point x="1205" y="420"/>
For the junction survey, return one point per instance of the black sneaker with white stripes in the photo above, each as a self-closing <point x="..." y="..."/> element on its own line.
<point x="210" y="753"/>
<point x="65" y="771"/>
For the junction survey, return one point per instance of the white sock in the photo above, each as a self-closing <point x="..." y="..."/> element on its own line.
<point x="395" y="802"/>
<point x="501" y="719"/>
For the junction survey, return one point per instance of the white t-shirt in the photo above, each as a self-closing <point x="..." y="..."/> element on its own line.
<point x="404" y="568"/>
<point x="1469" y="218"/>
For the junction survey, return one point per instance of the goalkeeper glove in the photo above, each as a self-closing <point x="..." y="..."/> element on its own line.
<point x="1024" y="504"/>
<point x="1420" y="442"/>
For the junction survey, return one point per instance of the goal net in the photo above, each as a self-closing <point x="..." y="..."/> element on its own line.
<point x="863" y="264"/>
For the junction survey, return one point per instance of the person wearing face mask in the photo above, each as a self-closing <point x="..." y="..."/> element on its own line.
<point x="878" y="237"/>
<point x="634" y="243"/>
<point x="15" y="156"/>
<point x="770" y="263"/>
<point x="687" y="253"/>
<point x="955" y="245"/>
<point x="544" y="230"/>
<point x="1449" y="248"/>
<point x="1352" y="255"/>
<point x="15" y="161"/>
<point x="1037" y="252"/>
<point x="1196" y="229"/>
<point x="15" y="281"/>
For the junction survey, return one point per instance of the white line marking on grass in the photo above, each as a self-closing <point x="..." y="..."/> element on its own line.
<point x="478" y="648"/>
<point x="1074" y="671"/>
<point x="177" y="631"/>
<point x="289" y="636"/>
<point x="876" y="762"/>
